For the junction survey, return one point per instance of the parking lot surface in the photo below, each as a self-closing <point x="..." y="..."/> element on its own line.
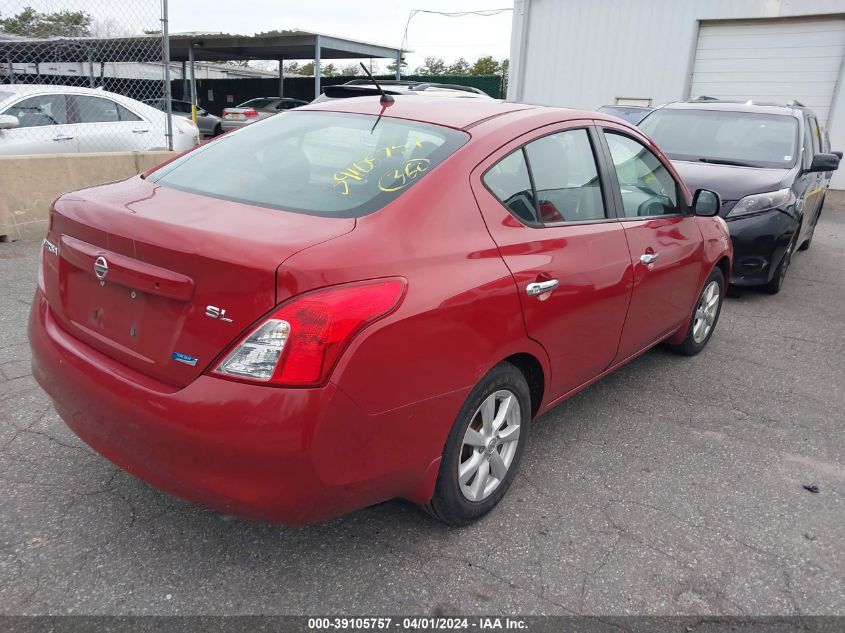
<point x="674" y="486"/>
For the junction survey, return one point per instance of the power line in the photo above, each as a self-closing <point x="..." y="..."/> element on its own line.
<point x="484" y="13"/>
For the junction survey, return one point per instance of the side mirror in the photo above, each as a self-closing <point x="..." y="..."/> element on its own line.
<point x="837" y="154"/>
<point x="201" y="112"/>
<point x="8" y="122"/>
<point x="706" y="203"/>
<point x="824" y="162"/>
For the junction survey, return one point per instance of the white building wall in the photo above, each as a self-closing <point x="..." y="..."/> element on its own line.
<point x="586" y="53"/>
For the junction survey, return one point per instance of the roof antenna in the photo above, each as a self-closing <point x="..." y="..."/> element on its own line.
<point x="385" y="98"/>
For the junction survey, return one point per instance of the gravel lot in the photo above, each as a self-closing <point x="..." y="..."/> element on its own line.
<point x="673" y="486"/>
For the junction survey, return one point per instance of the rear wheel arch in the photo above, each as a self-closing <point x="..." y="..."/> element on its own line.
<point x="532" y="370"/>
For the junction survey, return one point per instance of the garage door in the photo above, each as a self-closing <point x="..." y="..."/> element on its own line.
<point x="771" y="60"/>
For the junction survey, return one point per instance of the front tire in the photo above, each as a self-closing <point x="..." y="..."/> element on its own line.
<point x="705" y="315"/>
<point x="805" y="245"/>
<point x="484" y="448"/>
<point x="776" y="283"/>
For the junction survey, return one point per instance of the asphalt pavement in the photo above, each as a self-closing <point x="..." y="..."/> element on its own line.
<point x="674" y="486"/>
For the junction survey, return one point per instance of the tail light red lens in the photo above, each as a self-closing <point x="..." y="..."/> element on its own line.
<point x="250" y="113"/>
<point x="299" y="343"/>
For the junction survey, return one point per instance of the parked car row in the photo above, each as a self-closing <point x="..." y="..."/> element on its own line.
<point x="372" y="299"/>
<point x="39" y="119"/>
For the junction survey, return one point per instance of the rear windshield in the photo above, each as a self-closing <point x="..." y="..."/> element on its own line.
<point x="741" y="138"/>
<point x="320" y="163"/>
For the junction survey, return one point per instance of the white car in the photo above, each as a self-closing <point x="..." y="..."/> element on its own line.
<point x="44" y="119"/>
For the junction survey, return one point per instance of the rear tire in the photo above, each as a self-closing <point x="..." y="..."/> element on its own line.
<point x="218" y="130"/>
<point x="705" y="315"/>
<point x="484" y="448"/>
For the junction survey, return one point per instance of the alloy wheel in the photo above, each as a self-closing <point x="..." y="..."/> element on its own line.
<point x="489" y="445"/>
<point x="706" y="311"/>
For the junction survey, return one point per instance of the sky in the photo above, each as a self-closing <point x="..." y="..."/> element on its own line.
<point x="376" y="21"/>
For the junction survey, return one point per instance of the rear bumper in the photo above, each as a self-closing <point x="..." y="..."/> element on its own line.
<point x="759" y="243"/>
<point x="286" y="455"/>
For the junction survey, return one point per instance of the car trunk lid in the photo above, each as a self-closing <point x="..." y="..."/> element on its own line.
<point x="164" y="280"/>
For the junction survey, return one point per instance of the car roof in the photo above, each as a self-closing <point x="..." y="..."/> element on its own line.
<point x="739" y="106"/>
<point x="458" y="114"/>
<point x="32" y="88"/>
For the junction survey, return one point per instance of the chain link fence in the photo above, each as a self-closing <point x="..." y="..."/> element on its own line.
<point x="74" y="76"/>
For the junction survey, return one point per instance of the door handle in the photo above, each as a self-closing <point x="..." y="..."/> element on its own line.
<point x="62" y="137"/>
<point x="648" y="258"/>
<point x="539" y="287"/>
<point x="140" y="131"/>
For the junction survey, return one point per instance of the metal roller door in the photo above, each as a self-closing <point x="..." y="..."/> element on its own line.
<point x="771" y="60"/>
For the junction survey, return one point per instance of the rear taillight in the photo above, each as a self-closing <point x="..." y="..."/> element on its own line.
<point x="250" y="113"/>
<point x="299" y="343"/>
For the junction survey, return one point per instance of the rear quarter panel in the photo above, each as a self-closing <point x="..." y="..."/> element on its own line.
<point x="411" y="372"/>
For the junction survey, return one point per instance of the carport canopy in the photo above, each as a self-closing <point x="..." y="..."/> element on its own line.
<point x="276" y="45"/>
<point x="211" y="47"/>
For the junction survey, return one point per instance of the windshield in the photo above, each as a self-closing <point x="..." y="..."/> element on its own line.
<point x="734" y="138"/>
<point x="321" y="163"/>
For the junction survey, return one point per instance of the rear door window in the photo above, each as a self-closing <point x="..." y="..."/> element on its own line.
<point x="565" y="177"/>
<point x="321" y="163"/>
<point x="550" y="180"/>
<point x="100" y="110"/>
<point x="509" y="181"/>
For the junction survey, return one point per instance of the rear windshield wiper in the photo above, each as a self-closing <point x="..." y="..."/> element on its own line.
<point x="722" y="161"/>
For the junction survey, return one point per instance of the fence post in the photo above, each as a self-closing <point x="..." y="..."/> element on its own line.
<point x="316" y="66"/>
<point x="193" y="82"/>
<point x="165" y="50"/>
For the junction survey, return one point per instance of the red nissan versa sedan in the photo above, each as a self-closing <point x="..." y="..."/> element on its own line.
<point x="352" y="303"/>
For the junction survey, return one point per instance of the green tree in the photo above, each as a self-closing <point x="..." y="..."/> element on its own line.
<point x="307" y="69"/>
<point x="31" y="23"/>
<point x="350" y="70"/>
<point x="459" y="67"/>
<point x="328" y="70"/>
<point x="432" y="66"/>
<point x="292" y="68"/>
<point x="486" y="65"/>
<point x="391" y="67"/>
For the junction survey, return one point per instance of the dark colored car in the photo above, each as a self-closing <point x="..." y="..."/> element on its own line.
<point x="255" y="110"/>
<point x="771" y="165"/>
<point x="629" y="114"/>
<point x="350" y="303"/>
<point x="208" y="124"/>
